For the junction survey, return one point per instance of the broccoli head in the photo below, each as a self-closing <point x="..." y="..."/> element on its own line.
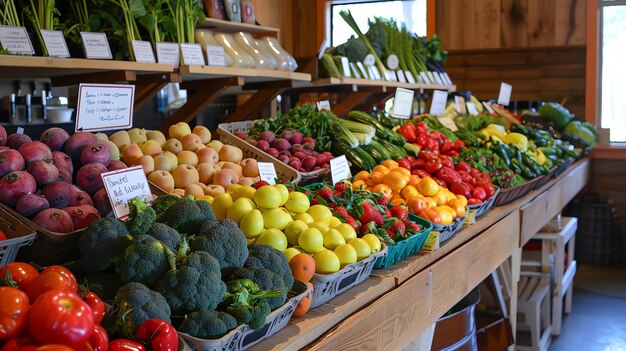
<point x="195" y="285"/>
<point x="207" y="210"/>
<point x="207" y="324"/>
<point x="102" y="244"/>
<point x="165" y="234"/>
<point x="135" y="304"/>
<point x="354" y="49"/>
<point x="140" y="216"/>
<point x="377" y="37"/>
<point x="223" y="240"/>
<point x="264" y="278"/>
<point x="186" y="216"/>
<point x="245" y="301"/>
<point x="146" y="260"/>
<point x="265" y="256"/>
<point x="163" y="202"/>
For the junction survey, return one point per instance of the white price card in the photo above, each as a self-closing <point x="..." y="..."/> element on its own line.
<point x="123" y="185"/>
<point x="323" y="105"/>
<point x="215" y="55"/>
<point x="448" y="123"/>
<point x="374" y="73"/>
<point x="345" y="66"/>
<point x="16" y="40"/>
<point x="354" y="70"/>
<point x="425" y="77"/>
<point x="471" y="108"/>
<point x="393" y="62"/>
<point x="447" y="78"/>
<point x="363" y="70"/>
<point x="96" y="46"/>
<point x="192" y="54"/>
<point x="438" y="104"/>
<point x="409" y="77"/>
<point x="401" y="77"/>
<point x="369" y="60"/>
<point x="487" y="105"/>
<point x="403" y="103"/>
<point x="432" y="78"/>
<point x="55" y="43"/>
<point x="504" y="97"/>
<point x="339" y="169"/>
<point x="392" y="75"/>
<point x="267" y="172"/>
<point x="143" y="51"/>
<point x="461" y="108"/>
<point x="104" y="107"/>
<point x="168" y="53"/>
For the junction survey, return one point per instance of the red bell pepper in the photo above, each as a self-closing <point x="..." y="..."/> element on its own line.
<point x="422" y="128"/>
<point x="489" y="189"/>
<point x="404" y="163"/>
<point x="125" y="345"/>
<point x="422" y="140"/>
<point x="463" y="166"/>
<point x="433" y="166"/>
<point x="409" y="132"/>
<point x="479" y="193"/>
<point x="420" y="173"/>
<point x="97" y="306"/>
<point x="448" y="175"/>
<point x="473" y="201"/>
<point x="453" y="154"/>
<point x="440" y="182"/>
<point x="2" y="236"/>
<point x="466" y="177"/>
<point x="20" y="343"/>
<point x="418" y="164"/>
<point x="474" y="172"/>
<point x="458" y="145"/>
<point x="99" y="339"/>
<point x="432" y="144"/>
<point x="446" y="147"/>
<point x="427" y="155"/>
<point x="158" y="334"/>
<point x="446" y="161"/>
<point x="461" y="188"/>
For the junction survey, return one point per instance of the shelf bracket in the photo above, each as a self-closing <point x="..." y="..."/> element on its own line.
<point x="147" y="86"/>
<point x="265" y="93"/>
<point x="204" y="92"/>
<point x="120" y="77"/>
<point x="356" y="98"/>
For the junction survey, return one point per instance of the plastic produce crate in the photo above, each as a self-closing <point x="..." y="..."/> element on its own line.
<point x="402" y="249"/>
<point x="227" y="135"/>
<point x="243" y="336"/>
<point x="18" y="235"/>
<point x="514" y="193"/>
<point x="481" y="209"/>
<point x="327" y="286"/>
<point x="446" y="232"/>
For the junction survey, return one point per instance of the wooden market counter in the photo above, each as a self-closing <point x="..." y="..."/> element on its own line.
<point x="395" y="305"/>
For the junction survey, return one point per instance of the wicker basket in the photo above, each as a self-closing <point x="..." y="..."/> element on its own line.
<point x="285" y="172"/>
<point x="18" y="235"/>
<point x="481" y="209"/>
<point x="402" y="249"/>
<point x="446" y="232"/>
<point x="514" y="193"/>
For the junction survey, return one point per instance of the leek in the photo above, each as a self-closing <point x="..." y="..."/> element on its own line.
<point x="347" y="16"/>
<point x="357" y="127"/>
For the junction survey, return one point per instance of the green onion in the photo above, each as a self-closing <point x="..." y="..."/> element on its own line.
<point x="41" y="16"/>
<point x="347" y="16"/>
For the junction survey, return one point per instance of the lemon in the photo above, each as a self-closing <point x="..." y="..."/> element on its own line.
<point x="276" y="218"/>
<point x="274" y="238"/>
<point x="311" y="240"/>
<point x="373" y="242"/>
<point x="251" y="224"/>
<point x="206" y="198"/>
<point x="333" y="238"/>
<point x="361" y="246"/>
<point x="284" y="193"/>
<point x="320" y="213"/>
<point x="334" y="221"/>
<point x="291" y="252"/>
<point x="267" y="197"/>
<point x="293" y="231"/>
<point x="304" y="217"/>
<point x="297" y="202"/>
<point x="326" y="262"/>
<point x="240" y="208"/>
<point x="346" y="254"/>
<point x="244" y="191"/>
<point x="221" y="204"/>
<point x="346" y="231"/>
<point x="231" y="189"/>
<point x="323" y="227"/>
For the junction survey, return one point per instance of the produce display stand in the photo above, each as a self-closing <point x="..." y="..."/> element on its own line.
<point x="374" y="315"/>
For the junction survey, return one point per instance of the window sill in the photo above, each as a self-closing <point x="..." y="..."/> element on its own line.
<point x="614" y="151"/>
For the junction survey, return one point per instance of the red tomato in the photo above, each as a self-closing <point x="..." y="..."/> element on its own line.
<point x="54" y="347"/>
<point x="126" y="345"/>
<point x="20" y="343"/>
<point x="61" y="317"/>
<point x="21" y="272"/>
<point x="13" y="310"/>
<point x="53" y="277"/>
<point x="96" y="305"/>
<point x="479" y="193"/>
<point x="99" y="340"/>
<point x="473" y="201"/>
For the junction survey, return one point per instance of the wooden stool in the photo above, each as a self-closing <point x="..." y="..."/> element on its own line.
<point x="533" y="312"/>
<point x="555" y="243"/>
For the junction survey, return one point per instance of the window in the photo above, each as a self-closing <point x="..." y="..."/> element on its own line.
<point x="613" y="69"/>
<point x="410" y="12"/>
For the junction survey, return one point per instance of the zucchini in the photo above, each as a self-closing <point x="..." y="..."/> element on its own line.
<point x="357" y="156"/>
<point x="382" y="132"/>
<point x="329" y="66"/>
<point x="394" y="150"/>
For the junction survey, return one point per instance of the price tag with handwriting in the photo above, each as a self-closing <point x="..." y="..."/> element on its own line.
<point x="96" y="46"/>
<point x="438" y="104"/>
<point x="168" y="53"/>
<point x="504" y="97"/>
<point x="459" y="101"/>
<point x="104" y="107"/>
<point x="16" y="40"/>
<point x="471" y="108"/>
<point x="215" y="55"/>
<point x="143" y="51"/>
<point x="267" y="172"/>
<point x="192" y="54"/>
<point x="55" y="43"/>
<point x="339" y="169"/>
<point x="123" y="185"/>
<point x="403" y="103"/>
<point x="448" y="123"/>
<point x="323" y="105"/>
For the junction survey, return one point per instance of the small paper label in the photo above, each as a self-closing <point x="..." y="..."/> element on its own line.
<point x="504" y="97"/>
<point x="104" y="107"/>
<point x="323" y="105"/>
<point x="470" y="218"/>
<point x="448" y="78"/>
<point x="354" y="70"/>
<point x="267" y="172"/>
<point x="488" y="106"/>
<point x="369" y="60"/>
<point x="432" y="241"/>
<point x="363" y="70"/>
<point x="438" y="104"/>
<point x="215" y="55"/>
<point x="392" y="62"/>
<point x="448" y="123"/>
<point x="435" y="77"/>
<point x="409" y="77"/>
<point x="345" y="66"/>
<point x="96" y="46"/>
<point x="471" y="108"/>
<point x="403" y="103"/>
<point x="19" y="130"/>
<point x="55" y="43"/>
<point x="425" y="77"/>
<point x="459" y="101"/>
<point x="143" y="51"/>
<point x="374" y="72"/>
<point x="16" y="40"/>
<point x="123" y="185"/>
<point x="339" y="169"/>
<point x="401" y="77"/>
<point x="168" y="53"/>
<point x="192" y="54"/>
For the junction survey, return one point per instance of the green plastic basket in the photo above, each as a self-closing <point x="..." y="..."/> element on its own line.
<point x="402" y="249"/>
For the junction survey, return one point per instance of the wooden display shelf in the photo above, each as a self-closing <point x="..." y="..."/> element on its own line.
<point x="384" y="83"/>
<point x="250" y="75"/>
<point x="224" y="26"/>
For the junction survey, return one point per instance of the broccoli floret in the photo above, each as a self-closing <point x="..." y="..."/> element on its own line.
<point x="264" y="278"/>
<point x="223" y="240"/>
<point x="186" y="216"/>
<point x="195" y="285"/>
<point x="140" y="216"/>
<point x="208" y="324"/>
<point x="165" y="234"/>
<point x="207" y="210"/>
<point x="377" y="37"/>
<point x="146" y="260"/>
<point x="354" y="49"/>
<point x="163" y="202"/>
<point x="135" y="304"/>
<point x="245" y="301"/>
<point x="102" y="244"/>
<point x="265" y="256"/>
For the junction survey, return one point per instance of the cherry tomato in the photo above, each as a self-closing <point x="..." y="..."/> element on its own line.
<point x="21" y="272"/>
<point x="97" y="306"/>
<point x="98" y="341"/>
<point x="53" y="277"/>
<point x="61" y="317"/>
<point x="13" y="310"/>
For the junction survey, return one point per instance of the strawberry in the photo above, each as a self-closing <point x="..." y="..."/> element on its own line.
<point x="341" y="187"/>
<point x="368" y="213"/>
<point x="260" y="183"/>
<point x="352" y="222"/>
<point x="398" y="227"/>
<point x="399" y="212"/>
<point x="414" y="227"/>
<point x="314" y="202"/>
<point x="325" y="193"/>
<point x="383" y="201"/>
<point x="388" y="213"/>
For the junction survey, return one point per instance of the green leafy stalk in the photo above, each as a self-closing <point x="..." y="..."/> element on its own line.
<point x="131" y="28"/>
<point x="186" y="13"/>
<point x="347" y="16"/>
<point x="8" y="14"/>
<point x="41" y="14"/>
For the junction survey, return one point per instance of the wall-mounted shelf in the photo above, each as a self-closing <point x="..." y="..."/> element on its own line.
<point x="223" y="26"/>
<point x="250" y="75"/>
<point x="384" y="83"/>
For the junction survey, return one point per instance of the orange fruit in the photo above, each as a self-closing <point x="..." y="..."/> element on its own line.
<point x="403" y="171"/>
<point x="374" y="178"/>
<point x="302" y="267"/>
<point x="397" y="201"/>
<point x="396" y="180"/>
<point x="428" y="187"/>
<point x="361" y="175"/>
<point x="305" y="303"/>
<point x="463" y="199"/>
<point x="383" y="189"/>
<point x="414" y="179"/>
<point x="358" y="184"/>
<point x="382" y="169"/>
<point x="409" y="191"/>
<point x="444" y="214"/>
<point x="417" y="204"/>
<point x="390" y="164"/>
